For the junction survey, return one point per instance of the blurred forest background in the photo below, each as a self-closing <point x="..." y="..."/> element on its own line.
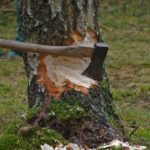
<point x="125" y="26"/>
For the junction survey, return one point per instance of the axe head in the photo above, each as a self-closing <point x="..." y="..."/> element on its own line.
<point x="95" y="68"/>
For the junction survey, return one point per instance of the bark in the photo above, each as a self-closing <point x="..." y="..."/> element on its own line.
<point x="65" y="22"/>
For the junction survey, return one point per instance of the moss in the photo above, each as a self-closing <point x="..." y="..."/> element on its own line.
<point x="49" y="136"/>
<point x="104" y="84"/>
<point x="42" y="136"/>
<point x="64" y="111"/>
<point x="14" y="138"/>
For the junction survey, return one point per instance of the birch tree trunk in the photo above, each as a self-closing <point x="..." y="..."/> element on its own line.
<point x="66" y="79"/>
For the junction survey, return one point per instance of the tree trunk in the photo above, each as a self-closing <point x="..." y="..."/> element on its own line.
<point x="69" y="82"/>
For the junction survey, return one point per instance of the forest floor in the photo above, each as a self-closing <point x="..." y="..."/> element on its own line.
<point x="128" y="66"/>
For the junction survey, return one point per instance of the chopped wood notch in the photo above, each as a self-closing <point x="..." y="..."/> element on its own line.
<point x="60" y="74"/>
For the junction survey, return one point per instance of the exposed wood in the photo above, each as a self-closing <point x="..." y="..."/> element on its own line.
<point x="62" y="74"/>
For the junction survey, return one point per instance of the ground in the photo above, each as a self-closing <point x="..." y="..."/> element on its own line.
<point x="126" y="30"/>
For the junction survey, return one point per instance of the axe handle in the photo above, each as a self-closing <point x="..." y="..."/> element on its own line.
<point x="79" y="50"/>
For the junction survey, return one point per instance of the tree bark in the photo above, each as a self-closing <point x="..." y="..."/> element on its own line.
<point x="65" y="22"/>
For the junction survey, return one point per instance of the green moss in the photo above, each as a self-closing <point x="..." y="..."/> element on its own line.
<point x="64" y="111"/>
<point x="49" y="136"/>
<point x="41" y="136"/>
<point x="104" y="84"/>
<point x="25" y="137"/>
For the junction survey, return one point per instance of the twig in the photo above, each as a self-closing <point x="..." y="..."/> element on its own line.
<point x="134" y="131"/>
<point x="105" y="28"/>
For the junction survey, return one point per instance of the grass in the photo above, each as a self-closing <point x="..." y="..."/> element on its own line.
<point x="125" y="27"/>
<point x="128" y="63"/>
<point x="28" y="138"/>
<point x="12" y="92"/>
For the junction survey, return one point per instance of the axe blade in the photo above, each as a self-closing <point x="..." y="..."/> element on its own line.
<point x="95" y="68"/>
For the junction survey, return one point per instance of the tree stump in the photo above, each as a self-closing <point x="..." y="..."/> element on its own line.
<point x="72" y="93"/>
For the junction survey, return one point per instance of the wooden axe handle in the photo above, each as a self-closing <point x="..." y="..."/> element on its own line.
<point x="78" y="50"/>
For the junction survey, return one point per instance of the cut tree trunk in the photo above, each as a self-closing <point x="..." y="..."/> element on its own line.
<point x="68" y="79"/>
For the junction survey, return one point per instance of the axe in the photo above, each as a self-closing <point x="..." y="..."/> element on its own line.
<point x="76" y="50"/>
<point x="97" y="52"/>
